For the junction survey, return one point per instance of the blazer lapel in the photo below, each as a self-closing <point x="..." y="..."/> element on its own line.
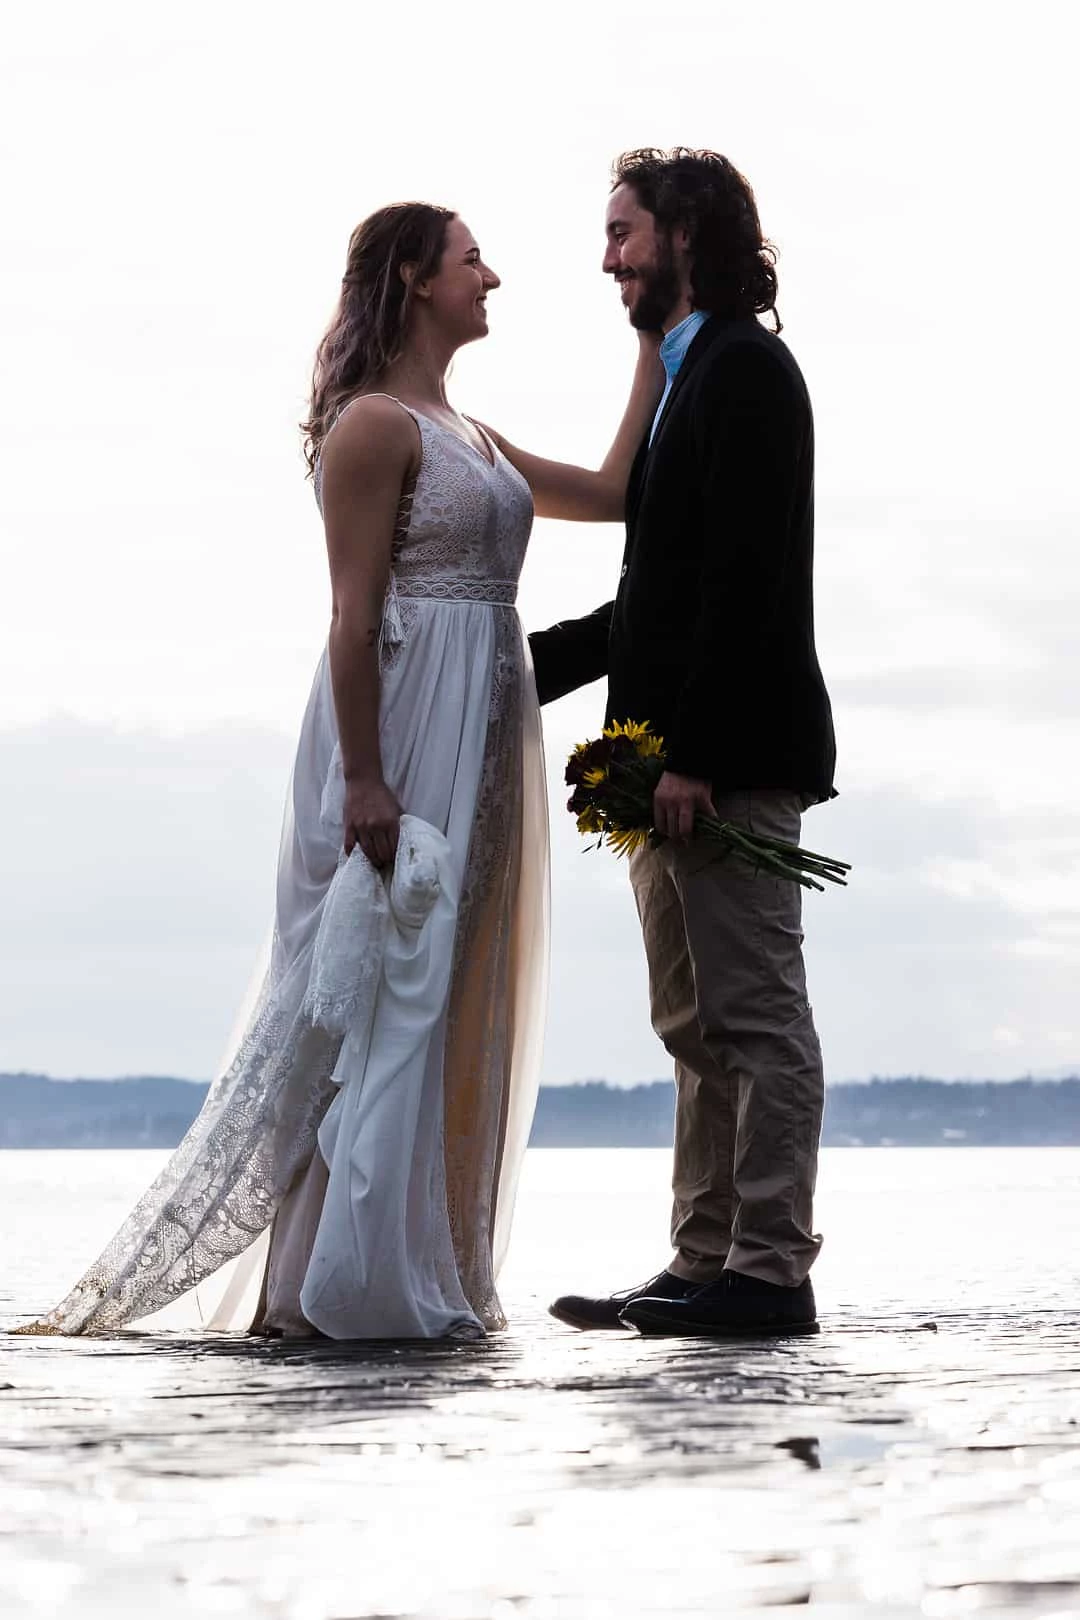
<point x="714" y="331"/>
<point x="636" y="481"/>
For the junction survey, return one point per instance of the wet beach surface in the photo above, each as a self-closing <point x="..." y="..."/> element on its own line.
<point x="910" y="1460"/>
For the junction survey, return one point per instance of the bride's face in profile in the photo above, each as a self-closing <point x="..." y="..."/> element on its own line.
<point x="456" y="296"/>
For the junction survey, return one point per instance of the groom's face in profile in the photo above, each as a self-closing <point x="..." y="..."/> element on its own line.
<point x="641" y="258"/>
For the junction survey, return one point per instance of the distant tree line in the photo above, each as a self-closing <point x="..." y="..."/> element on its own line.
<point x="154" y="1112"/>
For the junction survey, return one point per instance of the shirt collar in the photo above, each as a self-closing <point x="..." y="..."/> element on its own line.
<point x="678" y="340"/>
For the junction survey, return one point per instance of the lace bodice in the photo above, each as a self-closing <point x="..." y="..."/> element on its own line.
<point x="464" y="529"/>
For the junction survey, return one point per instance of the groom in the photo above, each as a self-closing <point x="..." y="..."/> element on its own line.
<point x="711" y="639"/>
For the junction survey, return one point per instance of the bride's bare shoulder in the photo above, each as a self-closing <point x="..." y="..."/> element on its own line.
<point x="372" y="429"/>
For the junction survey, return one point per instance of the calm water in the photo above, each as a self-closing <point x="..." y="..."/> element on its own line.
<point x="920" y="1457"/>
<point x="906" y="1229"/>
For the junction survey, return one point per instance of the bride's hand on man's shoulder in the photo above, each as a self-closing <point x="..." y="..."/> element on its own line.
<point x="649" y="362"/>
<point x="496" y="437"/>
<point x="372" y="820"/>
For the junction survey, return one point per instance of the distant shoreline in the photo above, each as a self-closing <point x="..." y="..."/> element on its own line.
<point x="155" y="1111"/>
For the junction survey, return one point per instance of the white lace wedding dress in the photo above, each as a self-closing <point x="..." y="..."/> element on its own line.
<point x="386" y="1214"/>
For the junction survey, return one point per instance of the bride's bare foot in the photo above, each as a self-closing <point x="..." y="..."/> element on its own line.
<point x="295" y="1330"/>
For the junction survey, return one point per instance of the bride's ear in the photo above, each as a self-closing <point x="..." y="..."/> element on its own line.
<point x="419" y="289"/>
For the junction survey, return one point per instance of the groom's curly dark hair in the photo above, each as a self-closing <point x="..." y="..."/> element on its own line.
<point x="733" y="270"/>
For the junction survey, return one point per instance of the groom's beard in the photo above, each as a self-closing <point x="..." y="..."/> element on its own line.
<point x="658" y="293"/>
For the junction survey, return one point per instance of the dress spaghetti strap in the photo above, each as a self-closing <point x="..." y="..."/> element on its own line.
<point x="348" y="405"/>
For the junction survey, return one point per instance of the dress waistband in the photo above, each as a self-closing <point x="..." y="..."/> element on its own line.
<point x="501" y="592"/>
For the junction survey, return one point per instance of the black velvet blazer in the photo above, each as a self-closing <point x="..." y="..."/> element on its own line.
<point x="711" y="634"/>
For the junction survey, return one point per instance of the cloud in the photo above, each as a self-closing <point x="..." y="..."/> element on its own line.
<point x="164" y="566"/>
<point x="137" y="874"/>
<point x="943" y="687"/>
<point x="138" y="870"/>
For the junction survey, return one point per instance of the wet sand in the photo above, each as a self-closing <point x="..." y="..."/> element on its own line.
<point x="896" y="1465"/>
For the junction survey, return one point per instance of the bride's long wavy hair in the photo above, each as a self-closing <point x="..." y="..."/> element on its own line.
<point x="367" y="332"/>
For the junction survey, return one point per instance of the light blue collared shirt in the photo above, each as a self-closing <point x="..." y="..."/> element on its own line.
<point x="673" y="353"/>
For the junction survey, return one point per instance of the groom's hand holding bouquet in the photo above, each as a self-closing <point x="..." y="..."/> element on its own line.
<point x="624" y="794"/>
<point x="677" y="803"/>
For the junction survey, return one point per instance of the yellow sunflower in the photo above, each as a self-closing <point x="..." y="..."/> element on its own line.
<point x="594" y="777"/>
<point x="625" y="840"/>
<point x="627" y="728"/>
<point x="639" y="733"/>
<point x="590" y="821"/>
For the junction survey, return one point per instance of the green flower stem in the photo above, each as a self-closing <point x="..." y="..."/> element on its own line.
<point x="805" y="854"/>
<point x="794" y="852"/>
<point x="784" y="860"/>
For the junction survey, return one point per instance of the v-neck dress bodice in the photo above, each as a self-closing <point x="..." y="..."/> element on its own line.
<point x="465" y="527"/>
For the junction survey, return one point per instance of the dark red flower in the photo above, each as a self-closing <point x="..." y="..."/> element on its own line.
<point x="594" y="756"/>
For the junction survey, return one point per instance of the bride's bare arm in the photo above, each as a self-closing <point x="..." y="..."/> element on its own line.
<point x="581" y="494"/>
<point x="365" y="461"/>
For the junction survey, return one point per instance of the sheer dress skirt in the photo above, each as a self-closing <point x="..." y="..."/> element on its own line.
<point x="460" y="733"/>
<point x="461" y="747"/>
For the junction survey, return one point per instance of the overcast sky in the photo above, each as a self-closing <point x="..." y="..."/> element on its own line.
<point x="179" y="189"/>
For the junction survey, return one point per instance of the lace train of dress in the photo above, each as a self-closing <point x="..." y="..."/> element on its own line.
<point x="356" y="1174"/>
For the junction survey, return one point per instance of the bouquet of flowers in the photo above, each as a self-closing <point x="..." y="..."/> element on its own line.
<point x="614" y="778"/>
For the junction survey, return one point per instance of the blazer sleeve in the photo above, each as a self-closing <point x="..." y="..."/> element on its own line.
<point x="571" y="654"/>
<point x="753" y="430"/>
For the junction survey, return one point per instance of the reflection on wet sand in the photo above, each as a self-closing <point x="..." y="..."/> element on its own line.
<point x="895" y="1465"/>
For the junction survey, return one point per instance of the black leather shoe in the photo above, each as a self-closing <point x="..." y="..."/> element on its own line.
<point x="735" y="1306"/>
<point x="580" y="1312"/>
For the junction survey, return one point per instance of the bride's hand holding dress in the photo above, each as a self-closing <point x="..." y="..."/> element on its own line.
<point x="372" y="817"/>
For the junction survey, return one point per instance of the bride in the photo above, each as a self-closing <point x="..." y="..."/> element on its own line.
<point x="352" y="1171"/>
